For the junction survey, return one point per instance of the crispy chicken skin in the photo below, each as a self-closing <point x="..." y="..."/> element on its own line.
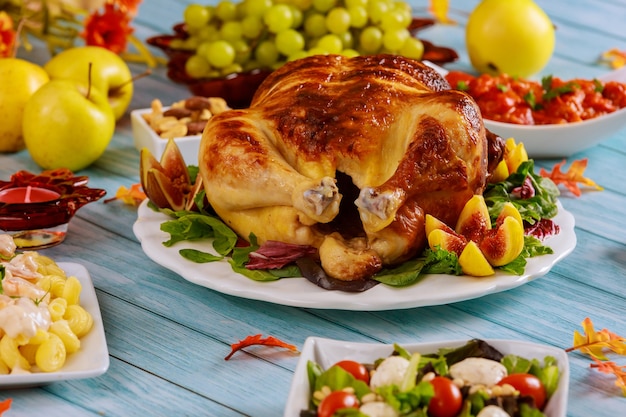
<point x="406" y="142"/>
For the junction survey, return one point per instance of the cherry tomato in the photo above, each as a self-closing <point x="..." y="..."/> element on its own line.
<point x="335" y="401"/>
<point x="358" y="370"/>
<point x="527" y="384"/>
<point x="447" y="401"/>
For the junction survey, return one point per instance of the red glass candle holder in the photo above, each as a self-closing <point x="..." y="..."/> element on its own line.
<point x="36" y="209"/>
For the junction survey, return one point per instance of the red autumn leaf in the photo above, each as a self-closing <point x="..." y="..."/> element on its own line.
<point x="258" y="339"/>
<point x="572" y="177"/>
<point x="7" y="36"/>
<point x="5" y="405"/>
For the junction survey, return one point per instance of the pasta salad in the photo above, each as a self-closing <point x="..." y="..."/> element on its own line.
<point x="41" y="319"/>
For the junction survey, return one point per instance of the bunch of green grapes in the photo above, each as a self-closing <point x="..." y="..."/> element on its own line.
<point x="233" y="37"/>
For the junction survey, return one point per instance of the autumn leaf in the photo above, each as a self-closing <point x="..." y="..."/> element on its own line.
<point x="614" y="57"/>
<point x="615" y="369"/>
<point x="132" y="196"/>
<point x="595" y="343"/>
<point x="259" y="340"/>
<point x="439" y="8"/>
<point x="5" y="405"/>
<point x="572" y="177"/>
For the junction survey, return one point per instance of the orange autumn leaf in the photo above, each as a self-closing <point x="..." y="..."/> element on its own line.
<point x="5" y="405"/>
<point x="440" y="8"/>
<point x="615" y="369"/>
<point x="595" y="344"/>
<point x="259" y="340"/>
<point x="614" y="57"/>
<point x="572" y="177"/>
<point x="132" y="196"/>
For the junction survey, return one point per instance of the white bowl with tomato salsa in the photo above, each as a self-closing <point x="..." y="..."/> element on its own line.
<point x="578" y="114"/>
<point x="328" y="352"/>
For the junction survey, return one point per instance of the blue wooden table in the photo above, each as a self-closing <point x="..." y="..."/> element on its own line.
<point x="167" y="337"/>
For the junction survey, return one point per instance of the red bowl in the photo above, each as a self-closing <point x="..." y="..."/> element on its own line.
<point x="239" y="88"/>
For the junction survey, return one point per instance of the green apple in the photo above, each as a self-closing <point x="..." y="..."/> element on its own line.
<point x="109" y="73"/>
<point x="67" y="125"/>
<point x="20" y="79"/>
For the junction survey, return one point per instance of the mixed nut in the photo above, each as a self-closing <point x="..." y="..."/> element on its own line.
<point x="185" y="117"/>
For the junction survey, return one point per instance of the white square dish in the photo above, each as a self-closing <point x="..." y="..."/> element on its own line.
<point x="93" y="357"/>
<point x="145" y="137"/>
<point x="327" y="352"/>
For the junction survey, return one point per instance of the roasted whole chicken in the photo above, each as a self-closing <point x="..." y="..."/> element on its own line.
<point x="348" y="155"/>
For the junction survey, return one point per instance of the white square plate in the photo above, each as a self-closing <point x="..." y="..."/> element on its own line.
<point x="327" y="352"/>
<point x="93" y="357"/>
<point x="146" y="137"/>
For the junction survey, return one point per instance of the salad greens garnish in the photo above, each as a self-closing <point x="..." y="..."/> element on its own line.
<point x="534" y="196"/>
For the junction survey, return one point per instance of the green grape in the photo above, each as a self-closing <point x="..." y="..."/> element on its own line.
<point x="243" y="51"/>
<point x="196" y="16"/>
<point x="209" y="33"/>
<point x="298" y="16"/>
<point x="298" y="55"/>
<point x="338" y="20"/>
<point x="226" y="10"/>
<point x="323" y="5"/>
<point x="330" y="43"/>
<point x="350" y="53"/>
<point x="315" y="25"/>
<point x="317" y="51"/>
<point x="231" y="31"/>
<point x="251" y="26"/>
<point x="279" y="17"/>
<point x="358" y="16"/>
<point x="405" y="11"/>
<point x="231" y="69"/>
<point x="289" y="41"/>
<point x="197" y="66"/>
<point x="302" y="4"/>
<point x="220" y="54"/>
<point x="394" y="39"/>
<point x="266" y="53"/>
<point x="257" y="7"/>
<point x="412" y="48"/>
<point x="355" y="3"/>
<point x="376" y="9"/>
<point x="391" y="19"/>
<point x="371" y="40"/>
<point x="347" y="40"/>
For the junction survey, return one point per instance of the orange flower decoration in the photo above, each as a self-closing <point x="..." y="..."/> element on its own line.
<point x="109" y="29"/>
<point x="7" y="35"/>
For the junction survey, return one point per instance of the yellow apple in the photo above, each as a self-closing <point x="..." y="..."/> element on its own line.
<point x="20" y="79"/>
<point x="109" y="73"/>
<point x="514" y="37"/>
<point x="67" y="125"/>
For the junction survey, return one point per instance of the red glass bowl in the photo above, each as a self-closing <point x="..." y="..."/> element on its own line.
<point x="39" y="225"/>
<point x="239" y="88"/>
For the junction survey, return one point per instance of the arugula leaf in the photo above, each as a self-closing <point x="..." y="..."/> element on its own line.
<point x="541" y="205"/>
<point x="199" y="256"/>
<point x="441" y="261"/>
<point x="407" y="273"/>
